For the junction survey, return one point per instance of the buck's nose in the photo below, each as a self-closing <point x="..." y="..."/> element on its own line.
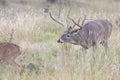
<point x="59" y="41"/>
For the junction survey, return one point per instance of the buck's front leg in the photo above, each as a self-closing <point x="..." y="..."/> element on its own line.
<point x="83" y="57"/>
<point x="94" y="52"/>
<point x="84" y="63"/>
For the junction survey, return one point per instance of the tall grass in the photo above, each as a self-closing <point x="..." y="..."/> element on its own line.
<point x="37" y="34"/>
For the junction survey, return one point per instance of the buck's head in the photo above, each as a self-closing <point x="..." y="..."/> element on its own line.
<point x="67" y="36"/>
<point x="70" y="32"/>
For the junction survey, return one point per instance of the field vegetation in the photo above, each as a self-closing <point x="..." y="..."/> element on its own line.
<point x="37" y="34"/>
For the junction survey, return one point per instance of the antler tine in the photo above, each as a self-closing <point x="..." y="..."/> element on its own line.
<point x="79" y="20"/>
<point x="75" y="23"/>
<point x="72" y="21"/>
<point x="58" y="21"/>
<point x="83" y="20"/>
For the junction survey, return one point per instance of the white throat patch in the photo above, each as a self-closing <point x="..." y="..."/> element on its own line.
<point x="61" y="40"/>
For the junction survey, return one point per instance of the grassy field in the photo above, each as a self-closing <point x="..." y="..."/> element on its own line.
<point x="37" y="36"/>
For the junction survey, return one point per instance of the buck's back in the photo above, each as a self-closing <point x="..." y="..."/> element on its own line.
<point x="99" y="28"/>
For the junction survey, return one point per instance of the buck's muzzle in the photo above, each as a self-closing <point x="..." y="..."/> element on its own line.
<point x="60" y="41"/>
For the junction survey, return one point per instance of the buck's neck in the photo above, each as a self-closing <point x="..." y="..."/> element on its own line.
<point x="80" y="38"/>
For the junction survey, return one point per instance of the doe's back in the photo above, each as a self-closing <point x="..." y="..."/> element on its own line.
<point x="9" y="51"/>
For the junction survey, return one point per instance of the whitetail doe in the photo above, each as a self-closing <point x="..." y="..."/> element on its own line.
<point x="9" y="52"/>
<point x="88" y="35"/>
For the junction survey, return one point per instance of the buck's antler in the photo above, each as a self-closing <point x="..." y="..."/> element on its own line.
<point x="78" y="22"/>
<point x="58" y="21"/>
<point x="75" y="22"/>
<point x="83" y="20"/>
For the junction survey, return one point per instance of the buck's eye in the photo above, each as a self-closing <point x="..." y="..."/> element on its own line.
<point x="68" y="35"/>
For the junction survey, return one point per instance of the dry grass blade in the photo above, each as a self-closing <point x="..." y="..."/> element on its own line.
<point x="11" y="35"/>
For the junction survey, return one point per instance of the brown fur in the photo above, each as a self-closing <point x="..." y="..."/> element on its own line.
<point x="9" y="52"/>
<point x="90" y="34"/>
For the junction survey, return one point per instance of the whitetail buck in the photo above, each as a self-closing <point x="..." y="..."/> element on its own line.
<point x="89" y="34"/>
<point x="9" y="52"/>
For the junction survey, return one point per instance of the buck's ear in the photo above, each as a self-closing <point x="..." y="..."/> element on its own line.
<point x="69" y="29"/>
